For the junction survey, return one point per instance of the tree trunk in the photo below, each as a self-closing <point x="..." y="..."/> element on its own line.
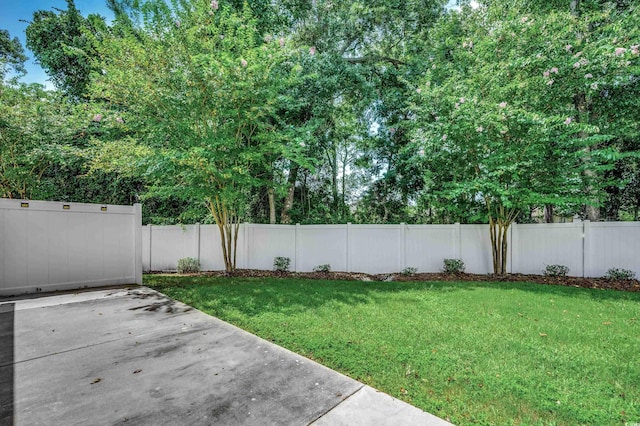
<point x="495" y="245"/>
<point x="504" y="249"/>
<point x="592" y="210"/>
<point x="583" y="107"/>
<point x="548" y="213"/>
<point x="593" y="213"/>
<point x="288" y="201"/>
<point x="345" y="162"/>
<point x="499" y="245"/>
<point x="499" y="222"/>
<point x="228" y="224"/>
<point x="344" y="190"/>
<point x="272" y="206"/>
<point x="334" y="183"/>
<point x="332" y="161"/>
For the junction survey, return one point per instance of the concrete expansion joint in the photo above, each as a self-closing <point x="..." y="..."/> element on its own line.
<point x="342" y="401"/>
<point x="64" y="352"/>
<point x="104" y="342"/>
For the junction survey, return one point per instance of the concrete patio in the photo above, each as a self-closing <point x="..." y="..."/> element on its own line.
<point x="134" y="356"/>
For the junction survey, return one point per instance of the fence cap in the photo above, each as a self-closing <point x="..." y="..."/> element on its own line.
<point x="65" y="206"/>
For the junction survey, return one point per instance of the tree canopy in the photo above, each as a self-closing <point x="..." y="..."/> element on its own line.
<point x="12" y="55"/>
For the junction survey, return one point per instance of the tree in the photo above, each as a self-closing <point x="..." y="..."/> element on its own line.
<point x="61" y="43"/>
<point x="199" y="88"/>
<point x="496" y="122"/>
<point x="12" y="55"/>
<point x="361" y="49"/>
<point x="32" y="124"/>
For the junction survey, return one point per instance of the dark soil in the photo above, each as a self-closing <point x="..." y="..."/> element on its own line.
<point x="598" y="283"/>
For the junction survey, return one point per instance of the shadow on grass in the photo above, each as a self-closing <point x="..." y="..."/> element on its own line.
<point x="254" y="296"/>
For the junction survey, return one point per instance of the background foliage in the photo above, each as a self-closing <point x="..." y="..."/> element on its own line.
<point x="327" y="112"/>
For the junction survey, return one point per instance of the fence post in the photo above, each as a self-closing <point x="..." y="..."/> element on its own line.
<point x="296" y="262"/>
<point x="198" y="241"/>
<point x="586" y="234"/>
<point x="247" y="254"/>
<point x="403" y="246"/>
<point x="137" y="226"/>
<point x="150" y="245"/>
<point x="348" y="246"/>
<point x="510" y="246"/>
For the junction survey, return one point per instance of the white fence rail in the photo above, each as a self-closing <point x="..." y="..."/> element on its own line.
<point x="588" y="249"/>
<point x="49" y="246"/>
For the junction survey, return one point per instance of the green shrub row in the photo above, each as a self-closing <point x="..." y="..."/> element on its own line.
<point x="190" y="265"/>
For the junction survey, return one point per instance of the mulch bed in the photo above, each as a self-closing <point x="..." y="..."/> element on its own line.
<point x="598" y="283"/>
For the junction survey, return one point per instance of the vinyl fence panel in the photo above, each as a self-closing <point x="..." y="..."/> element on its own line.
<point x="375" y="248"/>
<point x="146" y="248"/>
<point x="171" y="243"/>
<point x="611" y="245"/>
<point x="211" y="250"/>
<point x="267" y="242"/>
<point x="534" y="246"/>
<point x="49" y="246"/>
<point x="475" y="249"/>
<point x="426" y="246"/>
<point x="320" y="245"/>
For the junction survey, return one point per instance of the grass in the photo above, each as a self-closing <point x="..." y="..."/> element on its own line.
<point x="473" y="353"/>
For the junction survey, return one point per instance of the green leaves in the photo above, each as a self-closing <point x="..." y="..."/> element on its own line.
<point x="62" y="45"/>
<point x="509" y="111"/>
<point x="339" y="105"/>
<point x="500" y="109"/>
<point x="204" y="103"/>
<point x="12" y="55"/>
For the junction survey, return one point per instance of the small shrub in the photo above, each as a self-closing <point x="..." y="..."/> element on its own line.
<point x="188" y="265"/>
<point x="281" y="264"/>
<point x="408" y="271"/>
<point x="556" y="271"/>
<point x="322" y="268"/>
<point x="453" y="266"/>
<point x="620" y="274"/>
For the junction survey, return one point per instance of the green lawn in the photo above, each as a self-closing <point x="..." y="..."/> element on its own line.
<point x="475" y="353"/>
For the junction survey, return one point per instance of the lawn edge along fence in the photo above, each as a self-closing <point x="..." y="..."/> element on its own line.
<point x="49" y="246"/>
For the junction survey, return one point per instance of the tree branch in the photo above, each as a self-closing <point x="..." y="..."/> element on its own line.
<point x="373" y="59"/>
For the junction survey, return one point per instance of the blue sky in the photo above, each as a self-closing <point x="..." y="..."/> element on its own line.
<point x="12" y="12"/>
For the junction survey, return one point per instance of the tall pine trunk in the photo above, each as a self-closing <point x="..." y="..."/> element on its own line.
<point x="582" y="106"/>
<point x="288" y="201"/>
<point x="272" y="205"/>
<point x="548" y="213"/>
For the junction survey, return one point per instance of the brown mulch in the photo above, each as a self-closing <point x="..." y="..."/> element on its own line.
<point x="598" y="283"/>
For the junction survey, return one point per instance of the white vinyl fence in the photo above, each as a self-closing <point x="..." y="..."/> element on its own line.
<point x="588" y="249"/>
<point x="49" y="246"/>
